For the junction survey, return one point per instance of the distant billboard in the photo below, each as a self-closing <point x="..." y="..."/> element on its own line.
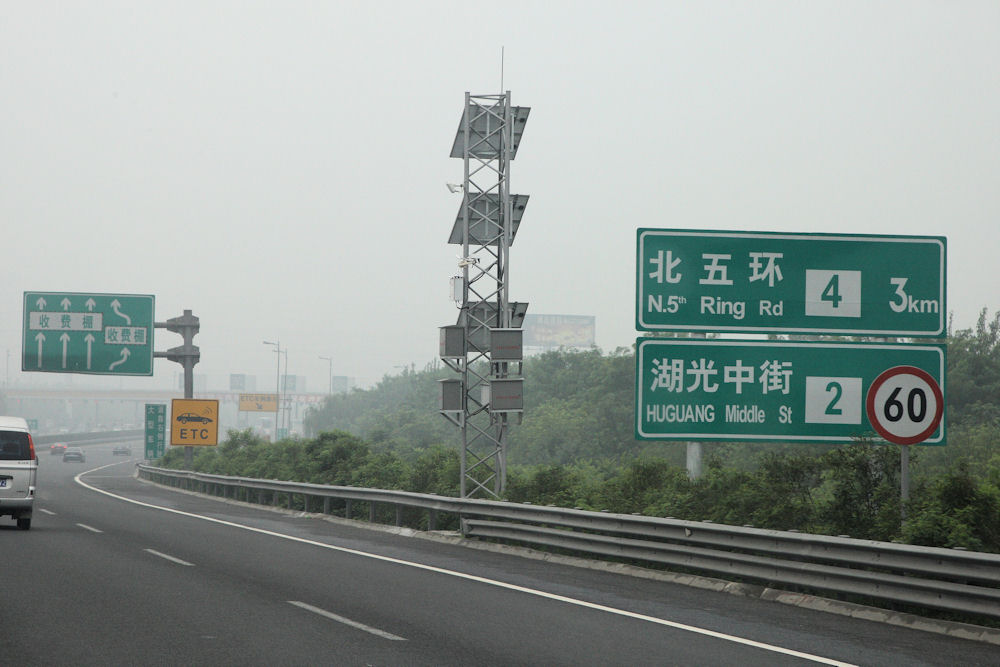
<point x="258" y="402"/>
<point x="342" y="384"/>
<point x="293" y="384"/>
<point x="554" y="331"/>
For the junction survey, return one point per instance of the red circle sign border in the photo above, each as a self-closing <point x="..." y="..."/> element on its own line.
<point x="890" y="373"/>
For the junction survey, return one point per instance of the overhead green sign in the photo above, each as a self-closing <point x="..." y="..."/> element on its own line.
<point x="100" y="334"/>
<point x="772" y="282"/>
<point x="788" y="391"/>
<point x="156" y="429"/>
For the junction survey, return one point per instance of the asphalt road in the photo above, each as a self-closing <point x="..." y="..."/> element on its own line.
<point x="116" y="571"/>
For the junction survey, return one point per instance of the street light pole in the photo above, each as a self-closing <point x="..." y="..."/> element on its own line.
<point x="329" y="359"/>
<point x="277" y="387"/>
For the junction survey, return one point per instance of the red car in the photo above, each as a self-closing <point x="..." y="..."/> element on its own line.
<point x="58" y="448"/>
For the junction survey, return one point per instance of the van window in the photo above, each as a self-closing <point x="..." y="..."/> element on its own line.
<point x="14" y="446"/>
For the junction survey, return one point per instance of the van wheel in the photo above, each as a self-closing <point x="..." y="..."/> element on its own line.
<point x="24" y="524"/>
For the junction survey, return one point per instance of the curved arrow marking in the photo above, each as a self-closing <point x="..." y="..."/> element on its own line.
<point x="121" y="361"/>
<point x="116" y="306"/>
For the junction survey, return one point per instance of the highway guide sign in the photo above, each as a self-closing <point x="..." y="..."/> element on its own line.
<point x="98" y="334"/>
<point x="156" y="426"/>
<point x="788" y="391"/>
<point x="773" y="282"/>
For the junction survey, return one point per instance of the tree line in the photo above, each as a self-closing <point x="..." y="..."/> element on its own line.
<point x="576" y="448"/>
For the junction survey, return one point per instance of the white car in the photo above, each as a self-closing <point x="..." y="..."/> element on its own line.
<point x="18" y="471"/>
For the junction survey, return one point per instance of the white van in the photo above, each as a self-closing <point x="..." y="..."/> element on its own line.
<point x="18" y="469"/>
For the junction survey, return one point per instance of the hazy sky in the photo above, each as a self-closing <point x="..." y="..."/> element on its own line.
<point x="279" y="168"/>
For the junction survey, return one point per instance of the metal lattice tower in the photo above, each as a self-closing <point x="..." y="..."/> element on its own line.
<point x="484" y="347"/>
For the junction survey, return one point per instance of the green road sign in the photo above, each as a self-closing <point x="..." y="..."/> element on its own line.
<point x="100" y="334"/>
<point x="788" y="391"/>
<point x="690" y="280"/>
<point x="156" y="429"/>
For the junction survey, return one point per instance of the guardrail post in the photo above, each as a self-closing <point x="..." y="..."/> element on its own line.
<point x="432" y="519"/>
<point x="399" y="516"/>
<point x="326" y="504"/>
<point x="371" y="512"/>
<point x="347" y="509"/>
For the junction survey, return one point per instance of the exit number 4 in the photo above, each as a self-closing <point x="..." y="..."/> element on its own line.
<point x="833" y="293"/>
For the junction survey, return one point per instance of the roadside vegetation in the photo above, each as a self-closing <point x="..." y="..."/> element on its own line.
<point x="576" y="449"/>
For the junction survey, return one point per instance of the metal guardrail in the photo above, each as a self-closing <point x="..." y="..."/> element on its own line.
<point x="928" y="577"/>
<point x="86" y="438"/>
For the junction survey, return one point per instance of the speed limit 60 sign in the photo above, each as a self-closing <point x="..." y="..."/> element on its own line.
<point x="905" y="405"/>
<point x="789" y="391"/>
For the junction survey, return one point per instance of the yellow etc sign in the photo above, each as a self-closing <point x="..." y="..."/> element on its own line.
<point x="194" y="422"/>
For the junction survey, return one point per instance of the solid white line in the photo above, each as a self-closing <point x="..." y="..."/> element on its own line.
<point x="346" y="621"/>
<point x="90" y="528"/>
<point x="49" y="512"/>
<point x="170" y="558"/>
<point x="490" y="582"/>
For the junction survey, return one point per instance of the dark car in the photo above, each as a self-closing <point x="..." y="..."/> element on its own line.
<point x="192" y="417"/>
<point x="122" y="450"/>
<point x="57" y="448"/>
<point x="74" y="454"/>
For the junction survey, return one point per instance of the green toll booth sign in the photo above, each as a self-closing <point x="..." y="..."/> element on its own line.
<point x="98" y="334"/>
<point x="773" y="282"/>
<point x="789" y="391"/>
<point x="155" y="431"/>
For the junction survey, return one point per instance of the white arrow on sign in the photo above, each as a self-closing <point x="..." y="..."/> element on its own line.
<point x="41" y="303"/>
<point x="66" y="303"/>
<point x="116" y="306"/>
<point x="65" y="341"/>
<point x="90" y="304"/>
<point x="90" y="343"/>
<point x="40" y="337"/>
<point x="121" y="361"/>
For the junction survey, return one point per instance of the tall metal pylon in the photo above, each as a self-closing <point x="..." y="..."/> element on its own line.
<point x="484" y="347"/>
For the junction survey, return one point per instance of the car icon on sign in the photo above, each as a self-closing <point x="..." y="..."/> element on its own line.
<point x="192" y="417"/>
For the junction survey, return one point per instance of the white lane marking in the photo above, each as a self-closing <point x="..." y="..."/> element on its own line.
<point x="346" y="621"/>
<point x="172" y="559"/>
<point x="45" y="511"/>
<point x="90" y="528"/>
<point x="483" y="580"/>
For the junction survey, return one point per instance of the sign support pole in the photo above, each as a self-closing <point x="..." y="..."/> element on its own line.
<point x="904" y="482"/>
<point x="693" y="458"/>
<point x="187" y="355"/>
